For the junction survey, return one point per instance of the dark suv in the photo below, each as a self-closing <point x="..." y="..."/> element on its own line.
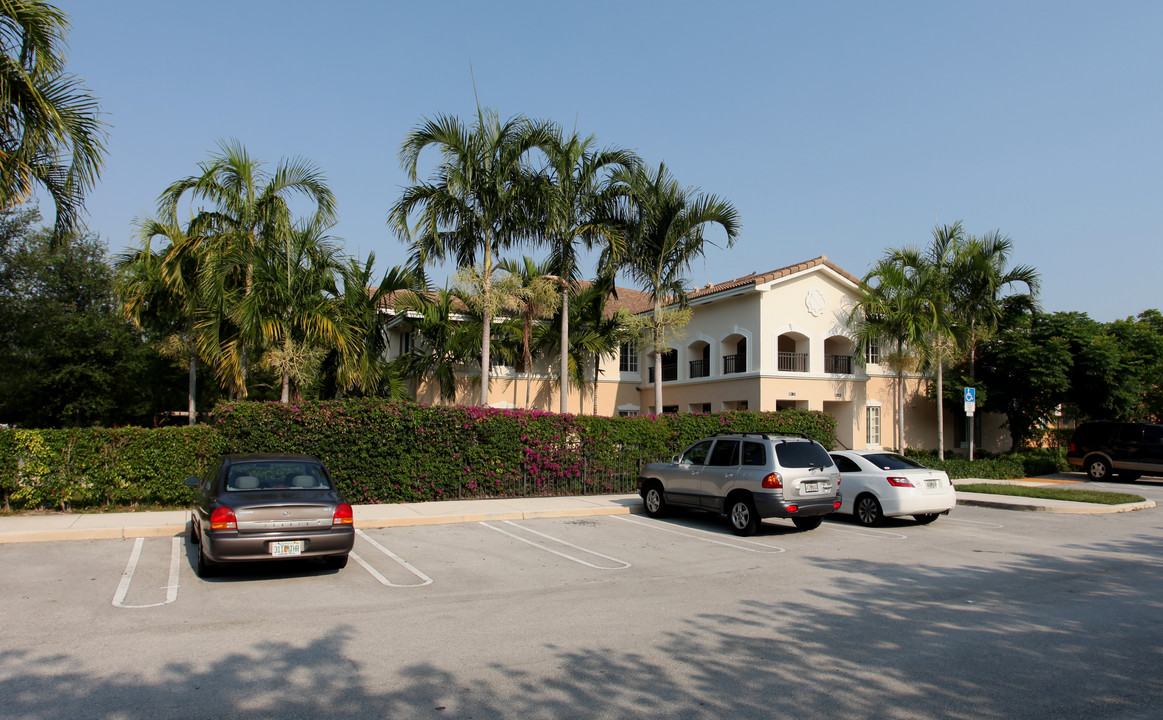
<point x="1128" y="450"/>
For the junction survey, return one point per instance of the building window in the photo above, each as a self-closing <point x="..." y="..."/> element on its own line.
<point x="627" y="413"/>
<point x="872" y="353"/>
<point x="628" y="357"/>
<point x="872" y="422"/>
<point x="407" y="342"/>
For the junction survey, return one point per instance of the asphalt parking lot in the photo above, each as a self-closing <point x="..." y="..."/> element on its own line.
<point x="983" y="614"/>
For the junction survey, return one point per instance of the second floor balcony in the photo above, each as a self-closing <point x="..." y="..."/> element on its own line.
<point x="734" y="364"/>
<point x="669" y="373"/>
<point x="838" y="364"/>
<point x="700" y="368"/>
<point x="792" y="362"/>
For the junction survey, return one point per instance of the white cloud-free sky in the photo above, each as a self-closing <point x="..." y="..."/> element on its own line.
<point x="837" y="128"/>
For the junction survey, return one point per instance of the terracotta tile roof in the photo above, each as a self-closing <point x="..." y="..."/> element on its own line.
<point x="766" y="277"/>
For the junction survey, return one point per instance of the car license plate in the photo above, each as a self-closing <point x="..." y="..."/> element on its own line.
<point x="931" y="484"/>
<point x="283" y="548"/>
<point x="811" y="487"/>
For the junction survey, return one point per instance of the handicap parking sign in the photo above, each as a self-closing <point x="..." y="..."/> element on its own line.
<point x="970" y="395"/>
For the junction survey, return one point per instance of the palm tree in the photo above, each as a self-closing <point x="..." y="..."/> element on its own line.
<point x="579" y="195"/>
<point x="159" y="291"/>
<point x="665" y="233"/>
<point x="534" y="295"/>
<point x="892" y="310"/>
<point x="933" y="276"/>
<point x="479" y="203"/>
<point x="50" y="134"/>
<point x="444" y="343"/>
<point x="293" y="304"/>
<point x="248" y="213"/>
<point x="595" y="333"/>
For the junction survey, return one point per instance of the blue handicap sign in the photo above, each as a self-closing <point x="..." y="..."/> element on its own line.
<point x="970" y="394"/>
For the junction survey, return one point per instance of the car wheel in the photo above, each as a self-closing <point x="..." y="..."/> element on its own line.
<point x="206" y="567"/>
<point x="337" y="562"/>
<point x="654" y="501"/>
<point x="925" y="519"/>
<point x="194" y="530"/>
<point x="867" y="511"/>
<point x="808" y="523"/>
<point x="1098" y="469"/>
<point x="743" y="516"/>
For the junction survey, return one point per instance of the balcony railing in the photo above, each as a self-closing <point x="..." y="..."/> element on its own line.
<point x="669" y="373"/>
<point x="792" y="362"/>
<point x="839" y="364"/>
<point x="734" y="363"/>
<point x="700" y="368"/>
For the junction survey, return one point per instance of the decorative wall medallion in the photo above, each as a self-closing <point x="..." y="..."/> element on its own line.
<point x="815" y="302"/>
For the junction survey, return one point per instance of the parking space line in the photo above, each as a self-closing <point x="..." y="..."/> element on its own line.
<point x="622" y="563"/>
<point x="131" y="567"/>
<point x="869" y="532"/>
<point x="767" y="549"/>
<point x="376" y="574"/>
<point x="978" y="523"/>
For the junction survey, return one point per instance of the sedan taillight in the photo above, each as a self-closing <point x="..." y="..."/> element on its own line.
<point x="223" y="519"/>
<point x="343" y="515"/>
<point x="773" y="480"/>
<point x="899" y="482"/>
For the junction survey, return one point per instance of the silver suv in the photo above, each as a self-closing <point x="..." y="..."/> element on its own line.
<point x="747" y="477"/>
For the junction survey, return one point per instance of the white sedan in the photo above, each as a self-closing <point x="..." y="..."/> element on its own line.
<point x="877" y="484"/>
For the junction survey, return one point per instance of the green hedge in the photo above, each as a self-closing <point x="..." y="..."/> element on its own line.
<point x="378" y="451"/>
<point x="86" y="467"/>
<point x="402" y="452"/>
<point x="1000" y="467"/>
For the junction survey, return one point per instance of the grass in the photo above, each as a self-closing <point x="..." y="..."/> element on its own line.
<point x="1048" y="493"/>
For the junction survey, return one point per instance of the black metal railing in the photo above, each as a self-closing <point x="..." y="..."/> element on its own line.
<point x="792" y="362"/>
<point x="840" y="364"/>
<point x="734" y="363"/>
<point x="669" y="373"/>
<point x="700" y="368"/>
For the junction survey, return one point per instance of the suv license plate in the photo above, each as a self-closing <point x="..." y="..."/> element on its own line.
<point x="284" y="548"/>
<point x="810" y="487"/>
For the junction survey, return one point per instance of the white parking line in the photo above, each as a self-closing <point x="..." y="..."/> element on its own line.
<point x="767" y="549"/>
<point x="622" y="563"/>
<point x="376" y="574"/>
<point x="959" y="521"/>
<point x="869" y="532"/>
<point x="131" y="567"/>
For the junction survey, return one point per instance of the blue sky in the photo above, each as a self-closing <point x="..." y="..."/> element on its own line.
<point x="837" y="128"/>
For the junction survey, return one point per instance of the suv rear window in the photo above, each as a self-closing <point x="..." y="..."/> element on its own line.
<point x="801" y="455"/>
<point x="281" y="475"/>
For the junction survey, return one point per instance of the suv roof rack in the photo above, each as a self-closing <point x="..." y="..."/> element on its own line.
<point x="764" y="435"/>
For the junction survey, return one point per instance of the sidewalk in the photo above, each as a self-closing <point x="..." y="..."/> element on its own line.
<point x="96" y="526"/>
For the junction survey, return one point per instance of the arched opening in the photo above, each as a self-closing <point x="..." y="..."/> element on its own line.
<point x="735" y="362"/>
<point x="838" y="351"/>
<point x="700" y="363"/>
<point x="792" y="350"/>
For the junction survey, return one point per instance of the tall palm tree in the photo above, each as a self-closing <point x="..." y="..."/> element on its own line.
<point x="294" y="305"/>
<point x="534" y="296"/>
<point x="890" y="311"/>
<point x="579" y="197"/>
<point x="665" y="234"/>
<point x="50" y="132"/>
<point x="595" y="333"/>
<point x="933" y="276"/>
<point x="479" y="203"/>
<point x="246" y="213"/>
<point x="159" y="292"/>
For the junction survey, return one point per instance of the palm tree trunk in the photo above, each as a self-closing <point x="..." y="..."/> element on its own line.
<point x="486" y="323"/>
<point x="564" y="378"/>
<point x="193" y="407"/>
<point x="900" y="411"/>
<point x="940" y="408"/>
<point x="597" y="362"/>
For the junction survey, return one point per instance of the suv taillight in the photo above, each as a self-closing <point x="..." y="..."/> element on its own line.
<point x="899" y="482"/>
<point x="223" y="519"/>
<point x="773" y="480"/>
<point x="1073" y="449"/>
<point x="343" y="515"/>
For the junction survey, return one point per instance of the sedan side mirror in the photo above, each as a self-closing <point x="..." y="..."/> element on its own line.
<point x="192" y="481"/>
<point x="676" y="459"/>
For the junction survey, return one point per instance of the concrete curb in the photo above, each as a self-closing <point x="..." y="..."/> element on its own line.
<point x="1064" y="507"/>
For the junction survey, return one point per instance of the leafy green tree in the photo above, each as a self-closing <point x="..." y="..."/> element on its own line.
<point x="444" y="342"/>
<point x="666" y="231"/>
<point x="579" y="197"/>
<point x="50" y="132"/>
<point x="480" y="202"/>
<point x="246" y="215"/>
<point x="1142" y="341"/>
<point x="67" y="355"/>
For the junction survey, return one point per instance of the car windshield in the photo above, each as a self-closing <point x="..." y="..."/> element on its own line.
<point x="802" y="455"/>
<point x="276" y="475"/>
<point x="892" y="461"/>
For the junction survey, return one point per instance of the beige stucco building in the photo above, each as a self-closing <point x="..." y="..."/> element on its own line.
<point x="765" y="341"/>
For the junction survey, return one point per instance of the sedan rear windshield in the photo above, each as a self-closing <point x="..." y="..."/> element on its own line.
<point x="802" y="455"/>
<point x="892" y="461"/>
<point x="276" y="475"/>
